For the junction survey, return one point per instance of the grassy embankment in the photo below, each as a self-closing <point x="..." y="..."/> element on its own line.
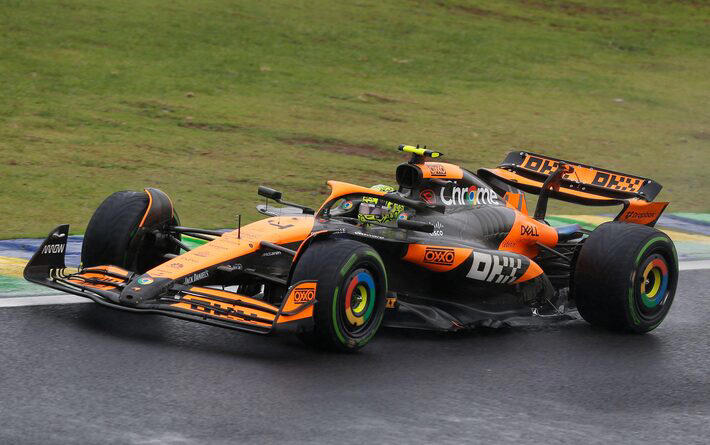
<point x="206" y="100"/>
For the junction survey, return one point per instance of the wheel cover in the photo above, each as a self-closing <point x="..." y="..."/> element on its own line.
<point x="359" y="302"/>
<point x="653" y="284"/>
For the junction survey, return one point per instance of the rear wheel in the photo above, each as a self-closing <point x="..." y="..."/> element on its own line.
<point x="350" y="295"/>
<point x="115" y="236"/>
<point x="625" y="277"/>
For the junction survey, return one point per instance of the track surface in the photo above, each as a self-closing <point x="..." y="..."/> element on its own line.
<point x="85" y="374"/>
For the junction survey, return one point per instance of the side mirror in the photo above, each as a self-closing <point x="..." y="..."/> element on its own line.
<point x="267" y="192"/>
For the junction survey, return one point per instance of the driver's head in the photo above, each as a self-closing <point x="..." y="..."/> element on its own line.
<point x="373" y="209"/>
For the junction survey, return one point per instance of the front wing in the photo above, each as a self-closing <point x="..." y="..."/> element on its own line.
<point x="105" y="285"/>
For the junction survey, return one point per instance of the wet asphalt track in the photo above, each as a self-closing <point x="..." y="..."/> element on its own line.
<point x="85" y="374"/>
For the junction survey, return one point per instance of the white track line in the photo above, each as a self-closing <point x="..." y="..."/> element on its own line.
<point x="42" y="300"/>
<point x="694" y="265"/>
<point x="71" y="299"/>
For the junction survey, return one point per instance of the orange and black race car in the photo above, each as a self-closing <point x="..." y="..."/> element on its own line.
<point x="448" y="249"/>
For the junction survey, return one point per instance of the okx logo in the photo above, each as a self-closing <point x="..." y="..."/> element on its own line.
<point x="437" y="255"/>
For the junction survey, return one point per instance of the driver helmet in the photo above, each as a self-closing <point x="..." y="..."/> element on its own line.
<point x="375" y="209"/>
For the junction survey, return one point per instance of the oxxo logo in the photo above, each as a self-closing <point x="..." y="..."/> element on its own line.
<point x="53" y="248"/>
<point x="437" y="169"/>
<point x="528" y="230"/>
<point x="444" y="257"/>
<point x="472" y="195"/>
<point x="304" y="294"/>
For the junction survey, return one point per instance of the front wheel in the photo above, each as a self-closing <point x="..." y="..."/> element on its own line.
<point x="122" y="231"/>
<point x="625" y="277"/>
<point x="350" y="294"/>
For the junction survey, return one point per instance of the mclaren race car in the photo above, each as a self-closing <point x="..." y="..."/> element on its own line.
<point x="447" y="249"/>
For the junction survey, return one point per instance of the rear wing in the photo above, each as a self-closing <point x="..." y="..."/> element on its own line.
<point x="581" y="184"/>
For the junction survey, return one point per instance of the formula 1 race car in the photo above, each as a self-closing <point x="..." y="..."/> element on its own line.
<point x="446" y="250"/>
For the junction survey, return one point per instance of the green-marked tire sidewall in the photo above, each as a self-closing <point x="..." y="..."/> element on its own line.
<point x="663" y="246"/>
<point x="355" y="260"/>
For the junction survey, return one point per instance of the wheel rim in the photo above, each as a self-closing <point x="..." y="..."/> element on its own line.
<point x="652" y="287"/>
<point x="359" y="302"/>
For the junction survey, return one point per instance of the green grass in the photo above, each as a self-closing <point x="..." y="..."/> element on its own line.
<point x="208" y="99"/>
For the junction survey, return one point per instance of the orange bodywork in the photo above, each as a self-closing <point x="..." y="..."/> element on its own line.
<point x="524" y="235"/>
<point x="84" y="279"/>
<point x="232" y="296"/>
<point x="278" y="230"/>
<point x="514" y="177"/>
<point x="583" y="174"/>
<point x="303" y="293"/>
<point x="641" y="212"/>
<point x="437" y="258"/>
<point x="516" y="201"/>
<point x="110" y="269"/>
<point x="339" y="189"/>
<point x="533" y="271"/>
<point x="440" y="170"/>
<point x="265" y="319"/>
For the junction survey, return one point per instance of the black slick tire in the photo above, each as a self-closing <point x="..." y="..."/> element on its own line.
<point x="625" y="277"/>
<point x="350" y="295"/>
<point x="113" y="236"/>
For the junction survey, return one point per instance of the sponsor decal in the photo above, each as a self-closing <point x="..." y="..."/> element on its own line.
<point x="370" y="199"/>
<point x="528" y="230"/>
<point x="280" y="226"/>
<point x="176" y="265"/>
<point x="602" y="179"/>
<point x="391" y="302"/>
<point x="438" y="229"/>
<point x="544" y="166"/>
<point x="437" y="169"/>
<point x="472" y="195"/>
<point x="346" y="205"/>
<point x="196" y="277"/>
<point x="494" y="268"/>
<point x="136" y="289"/>
<point x="368" y="235"/>
<point x="144" y="280"/>
<point x="428" y="196"/>
<point x="53" y="248"/>
<point x="637" y="215"/>
<point x="438" y="255"/>
<point x="617" y="182"/>
<point x="272" y="253"/>
<point x="303" y="295"/>
<point x="509" y="243"/>
<point x="60" y="235"/>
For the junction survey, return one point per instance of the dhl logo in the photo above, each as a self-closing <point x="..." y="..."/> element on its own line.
<point x="434" y="255"/>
